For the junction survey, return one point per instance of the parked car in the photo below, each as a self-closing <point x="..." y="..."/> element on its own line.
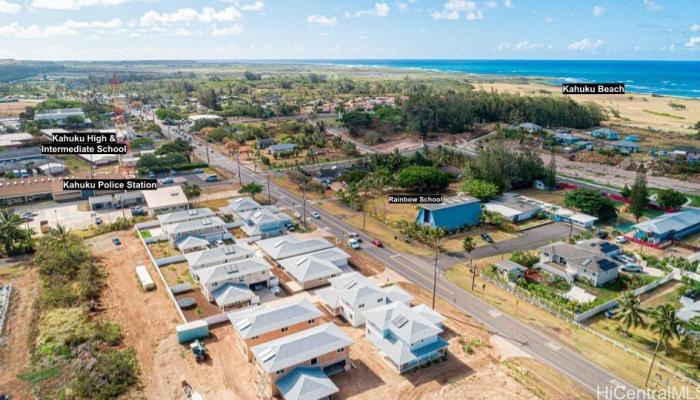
<point x="151" y="174"/>
<point x="610" y="314"/>
<point x="631" y="268"/>
<point x="626" y="259"/>
<point x="276" y="290"/>
<point x="138" y="211"/>
<point x="290" y="227"/>
<point x="602" y="234"/>
<point x="116" y="241"/>
<point x="315" y="214"/>
<point x="487" y="238"/>
<point x="167" y="181"/>
<point x="377" y="243"/>
<point x="198" y="171"/>
<point x="621" y="239"/>
<point x="219" y="242"/>
<point x="354" y="243"/>
<point x="98" y="220"/>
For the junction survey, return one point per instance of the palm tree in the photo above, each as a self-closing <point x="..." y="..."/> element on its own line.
<point x="468" y="245"/>
<point x="10" y="231"/>
<point x="631" y="312"/>
<point x="60" y="235"/>
<point x="433" y="236"/>
<point x="665" y="325"/>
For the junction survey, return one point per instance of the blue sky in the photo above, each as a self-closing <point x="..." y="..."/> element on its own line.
<point x="289" y="29"/>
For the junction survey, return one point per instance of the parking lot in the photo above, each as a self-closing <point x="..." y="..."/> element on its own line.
<point x="74" y="216"/>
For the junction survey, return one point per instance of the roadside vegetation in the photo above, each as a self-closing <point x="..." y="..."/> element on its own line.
<point x="76" y="352"/>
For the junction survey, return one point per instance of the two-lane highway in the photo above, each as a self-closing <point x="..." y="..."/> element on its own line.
<point x="419" y="271"/>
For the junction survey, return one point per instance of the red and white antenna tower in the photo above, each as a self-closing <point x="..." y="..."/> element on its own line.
<point x="119" y="109"/>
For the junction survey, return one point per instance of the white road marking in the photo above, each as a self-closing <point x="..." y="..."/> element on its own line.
<point x="495" y="313"/>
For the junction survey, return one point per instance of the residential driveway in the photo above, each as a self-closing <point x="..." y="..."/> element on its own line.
<point x="528" y="240"/>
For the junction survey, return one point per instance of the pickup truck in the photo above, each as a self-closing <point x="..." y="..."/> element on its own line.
<point x="354" y="243"/>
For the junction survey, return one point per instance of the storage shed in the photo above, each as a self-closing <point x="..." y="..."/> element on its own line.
<point x="145" y="278"/>
<point x="190" y="331"/>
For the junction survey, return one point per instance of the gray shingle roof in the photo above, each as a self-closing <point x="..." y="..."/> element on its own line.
<point x="232" y="293"/>
<point x="194" y="225"/>
<point x="405" y="323"/>
<point x="219" y="255"/>
<point x="300" y="347"/>
<point x="191" y="242"/>
<point x="243" y="204"/>
<point x="671" y="222"/>
<point x="185" y="215"/>
<point x="233" y="270"/>
<point x="306" y="383"/>
<point x="582" y="256"/>
<point x="263" y="319"/>
<point x="289" y="246"/>
<point x="317" y="265"/>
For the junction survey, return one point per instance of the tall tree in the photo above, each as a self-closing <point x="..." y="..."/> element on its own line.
<point x="665" y="326"/>
<point x="639" y="193"/>
<point x="10" y="231"/>
<point x="631" y="312"/>
<point x="551" y="176"/>
<point x="433" y="237"/>
<point x="251" y="188"/>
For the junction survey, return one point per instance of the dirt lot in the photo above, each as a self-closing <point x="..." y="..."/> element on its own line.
<point x="14" y="109"/>
<point x="14" y="351"/>
<point x="148" y="319"/>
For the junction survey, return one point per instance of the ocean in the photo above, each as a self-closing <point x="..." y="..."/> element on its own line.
<point x="672" y="78"/>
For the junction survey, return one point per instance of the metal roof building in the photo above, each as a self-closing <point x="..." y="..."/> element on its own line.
<point x="672" y="226"/>
<point x="286" y="246"/>
<point x="453" y="213"/>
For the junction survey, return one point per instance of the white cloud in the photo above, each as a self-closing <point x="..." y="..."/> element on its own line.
<point x="73" y="4"/>
<point x="475" y="15"/>
<point x="599" y="11"/>
<point x="9" y="8"/>
<point x="322" y="20"/>
<point x="460" y="5"/>
<point x="454" y="8"/>
<point x="445" y="14"/>
<point x="586" y="45"/>
<point x="508" y="3"/>
<point x="207" y="15"/>
<point x="228" y="31"/>
<point x="17" y="31"/>
<point x="695" y="28"/>
<point x="651" y="6"/>
<point x="255" y="6"/>
<point x="520" y="46"/>
<point x="111" y="24"/>
<point x="491" y="4"/>
<point x="692" y="42"/>
<point x="379" y="10"/>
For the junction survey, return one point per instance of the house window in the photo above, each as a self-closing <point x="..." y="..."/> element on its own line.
<point x="314" y="361"/>
<point x="342" y="349"/>
<point x="311" y="321"/>
<point x="361" y="306"/>
<point x="280" y="372"/>
<point x="285" y="329"/>
<point x="380" y="300"/>
<point x="255" y="337"/>
<point x="241" y="279"/>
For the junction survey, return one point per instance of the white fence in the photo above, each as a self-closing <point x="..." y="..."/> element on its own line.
<point x="5" y="292"/>
<point x="162" y="278"/>
<point x="660" y="362"/>
<point x="612" y="303"/>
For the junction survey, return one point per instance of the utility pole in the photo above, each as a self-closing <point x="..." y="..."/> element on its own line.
<point x="435" y="274"/>
<point x="571" y="229"/>
<point x="206" y="148"/>
<point x="303" y="192"/>
<point x="269" y="198"/>
<point x="238" y="160"/>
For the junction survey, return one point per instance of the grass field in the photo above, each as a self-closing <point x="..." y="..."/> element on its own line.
<point x="622" y="364"/>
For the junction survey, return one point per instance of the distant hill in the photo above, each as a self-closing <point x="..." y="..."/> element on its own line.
<point x="11" y="70"/>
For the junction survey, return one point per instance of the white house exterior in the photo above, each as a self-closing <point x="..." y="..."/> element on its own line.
<point x="580" y="261"/>
<point x="249" y="272"/>
<point x="406" y="337"/>
<point x="219" y="255"/>
<point x="351" y="294"/>
<point x="211" y="229"/>
<point x="281" y="247"/>
<point x="315" y="269"/>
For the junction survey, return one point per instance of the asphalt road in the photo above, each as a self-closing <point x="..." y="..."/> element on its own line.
<point x="419" y="271"/>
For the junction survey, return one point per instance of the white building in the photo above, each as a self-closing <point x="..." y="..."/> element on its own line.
<point x="165" y="200"/>
<point x="351" y="294"/>
<point x="249" y="272"/>
<point x="60" y="114"/>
